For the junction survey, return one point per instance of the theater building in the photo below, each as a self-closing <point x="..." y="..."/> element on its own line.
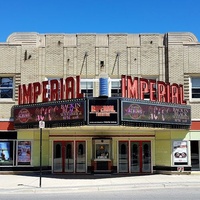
<point x="100" y="103"/>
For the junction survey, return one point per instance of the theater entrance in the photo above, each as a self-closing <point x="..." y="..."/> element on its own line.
<point x="69" y="157"/>
<point x="195" y="156"/>
<point x="134" y="157"/>
<point x="102" y="155"/>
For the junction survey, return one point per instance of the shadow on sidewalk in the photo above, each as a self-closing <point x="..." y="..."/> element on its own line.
<point x="79" y="176"/>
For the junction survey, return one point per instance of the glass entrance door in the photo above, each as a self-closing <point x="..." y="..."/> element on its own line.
<point x="135" y="157"/>
<point x="195" y="154"/>
<point x="65" y="155"/>
<point x="57" y="157"/>
<point x="69" y="156"/>
<point x="123" y="156"/>
<point x="146" y="156"/>
<point x="139" y="155"/>
<point x="80" y="156"/>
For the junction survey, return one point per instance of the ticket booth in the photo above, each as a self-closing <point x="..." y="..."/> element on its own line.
<point x="102" y="160"/>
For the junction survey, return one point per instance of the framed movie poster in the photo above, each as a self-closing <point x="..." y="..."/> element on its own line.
<point x="24" y="153"/>
<point x="4" y="152"/>
<point x="180" y="152"/>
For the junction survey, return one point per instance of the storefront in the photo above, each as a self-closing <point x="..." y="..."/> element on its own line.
<point x="54" y="78"/>
<point x="103" y="155"/>
<point x="102" y="134"/>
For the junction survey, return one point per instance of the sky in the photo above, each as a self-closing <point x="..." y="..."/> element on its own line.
<point x="99" y="16"/>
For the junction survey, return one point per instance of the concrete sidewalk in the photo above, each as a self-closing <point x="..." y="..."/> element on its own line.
<point x="75" y="183"/>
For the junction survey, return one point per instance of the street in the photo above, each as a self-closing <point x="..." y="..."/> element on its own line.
<point x="183" y="193"/>
<point x="148" y="187"/>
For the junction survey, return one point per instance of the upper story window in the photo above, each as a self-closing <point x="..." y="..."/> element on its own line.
<point x="115" y="88"/>
<point x="87" y="87"/>
<point x="195" y="88"/>
<point x="48" y="86"/>
<point x="6" y="87"/>
<point x="147" y="95"/>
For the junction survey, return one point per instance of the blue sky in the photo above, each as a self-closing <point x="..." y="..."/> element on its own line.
<point x="99" y="16"/>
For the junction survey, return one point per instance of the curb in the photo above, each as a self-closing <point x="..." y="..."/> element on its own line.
<point x="71" y="189"/>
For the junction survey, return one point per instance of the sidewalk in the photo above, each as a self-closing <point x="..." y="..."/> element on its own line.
<point x="73" y="183"/>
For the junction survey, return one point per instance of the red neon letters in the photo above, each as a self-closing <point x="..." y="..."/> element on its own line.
<point x="70" y="88"/>
<point x="157" y="90"/>
<point x="59" y="90"/>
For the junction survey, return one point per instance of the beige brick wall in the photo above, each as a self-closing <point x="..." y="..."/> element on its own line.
<point x="117" y="53"/>
<point x="176" y="64"/>
<point x="29" y="66"/>
<point x="85" y="55"/>
<point x="8" y="58"/>
<point x="54" y="56"/>
<point x="62" y="55"/>
<point x="184" y="62"/>
<point x="6" y="110"/>
<point x="192" y="64"/>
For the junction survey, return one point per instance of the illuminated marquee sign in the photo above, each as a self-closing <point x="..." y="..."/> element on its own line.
<point x="59" y="90"/>
<point x="51" y="113"/>
<point x="69" y="88"/>
<point x="158" y="90"/>
<point x="149" y="112"/>
<point x="63" y="103"/>
<point x="103" y="111"/>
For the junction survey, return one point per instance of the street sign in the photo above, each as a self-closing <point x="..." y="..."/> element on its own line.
<point x="41" y="124"/>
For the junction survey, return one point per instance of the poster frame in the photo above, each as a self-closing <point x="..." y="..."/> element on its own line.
<point x="180" y="153"/>
<point x="28" y="157"/>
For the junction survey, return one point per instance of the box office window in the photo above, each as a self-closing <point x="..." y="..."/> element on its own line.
<point x="102" y="149"/>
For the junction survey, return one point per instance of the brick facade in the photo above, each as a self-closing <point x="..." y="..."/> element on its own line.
<point x="32" y="57"/>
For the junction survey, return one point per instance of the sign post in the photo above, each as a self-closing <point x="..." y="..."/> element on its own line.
<point x="41" y="126"/>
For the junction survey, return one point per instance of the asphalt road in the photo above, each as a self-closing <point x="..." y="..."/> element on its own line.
<point x="178" y="193"/>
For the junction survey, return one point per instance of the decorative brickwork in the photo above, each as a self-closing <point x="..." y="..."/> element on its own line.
<point x="31" y="57"/>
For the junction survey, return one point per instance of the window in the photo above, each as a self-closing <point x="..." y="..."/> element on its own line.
<point x="147" y="95"/>
<point x="58" y="151"/>
<point x="195" y="88"/>
<point x="115" y="88"/>
<point x="69" y="151"/>
<point x="6" y="87"/>
<point x="48" y="86"/>
<point x="87" y="87"/>
<point x="102" y="149"/>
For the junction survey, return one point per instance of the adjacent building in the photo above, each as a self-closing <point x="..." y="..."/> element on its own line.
<point x="100" y="103"/>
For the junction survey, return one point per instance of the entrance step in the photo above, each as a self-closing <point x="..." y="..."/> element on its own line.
<point x="102" y="175"/>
